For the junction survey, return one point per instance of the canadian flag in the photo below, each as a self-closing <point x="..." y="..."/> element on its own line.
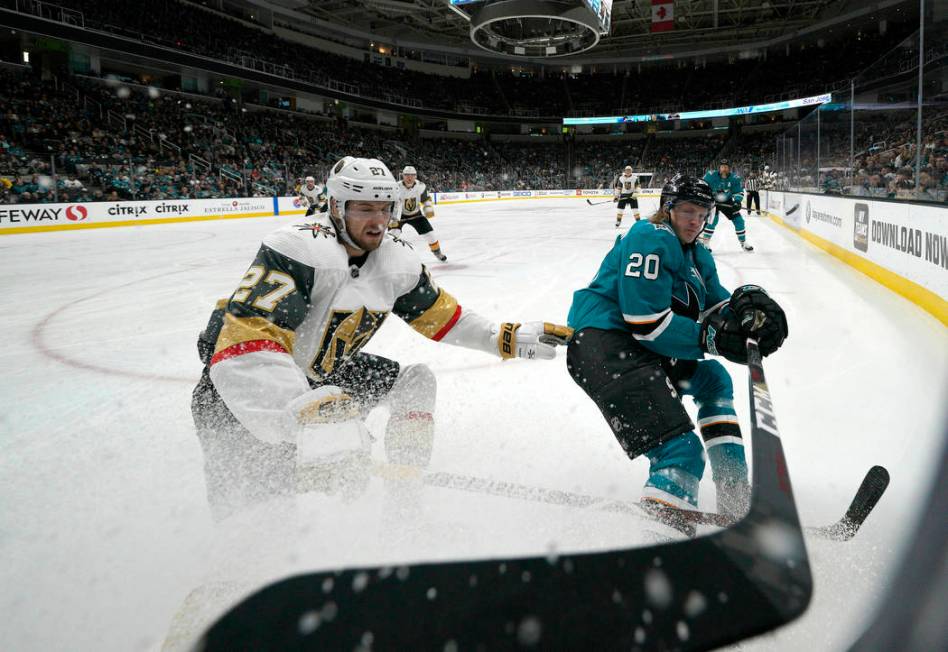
<point x="663" y="15"/>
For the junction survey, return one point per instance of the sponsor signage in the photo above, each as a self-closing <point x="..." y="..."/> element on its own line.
<point x="828" y="218"/>
<point x="76" y="213"/>
<point x="910" y="240"/>
<point x="861" y="227"/>
<point x="63" y="216"/>
<point x="791" y="209"/>
<point x="30" y="214"/>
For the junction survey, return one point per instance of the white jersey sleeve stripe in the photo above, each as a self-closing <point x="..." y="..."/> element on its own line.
<point x="658" y="330"/>
<point x="646" y="319"/>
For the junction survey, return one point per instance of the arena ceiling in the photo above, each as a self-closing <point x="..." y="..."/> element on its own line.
<point x="705" y="23"/>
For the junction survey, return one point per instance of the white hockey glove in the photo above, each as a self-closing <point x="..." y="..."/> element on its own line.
<point x="327" y="404"/>
<point x="333" y="446"/>
<point x="532" y="340"/>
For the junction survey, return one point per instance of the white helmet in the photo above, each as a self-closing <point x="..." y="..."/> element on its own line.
<point x="628" y="168"/>
<point x="359" y="179"/>
<point x="409" y="170"/>
<point x="308" y="179"/>
<point x="341" y="163"/>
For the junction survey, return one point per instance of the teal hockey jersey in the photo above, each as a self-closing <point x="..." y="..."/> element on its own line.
<point x="654" y="287"/>
<point x="725" y="189"/>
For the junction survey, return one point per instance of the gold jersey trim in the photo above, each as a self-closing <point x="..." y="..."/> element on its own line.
<point x="432" y="321"/>
<point x="237" y="330"/>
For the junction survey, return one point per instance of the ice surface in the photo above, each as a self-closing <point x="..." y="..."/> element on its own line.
<point x="105" y="535"/>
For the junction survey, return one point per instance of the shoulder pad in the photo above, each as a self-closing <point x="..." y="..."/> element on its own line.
<point x="649" y="237"/>
<point x="312" y="243"/>
<point x="398" y="257"/>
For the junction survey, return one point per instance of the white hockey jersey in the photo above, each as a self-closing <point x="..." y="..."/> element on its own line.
<point x="304" y="308"/>
<point x="626" y="185"/>
<point x="314" y="197"/>
<point x="414" y="200"/>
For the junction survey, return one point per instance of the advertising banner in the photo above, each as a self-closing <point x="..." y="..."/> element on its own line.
<point x="19" y="218"/>
<point x="909" y="240"/>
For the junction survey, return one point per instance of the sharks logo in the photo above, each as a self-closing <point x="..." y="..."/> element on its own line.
<point x="689" y="306"/>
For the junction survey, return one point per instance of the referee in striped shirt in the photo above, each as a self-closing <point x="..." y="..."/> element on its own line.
<point x="752" y="186"/>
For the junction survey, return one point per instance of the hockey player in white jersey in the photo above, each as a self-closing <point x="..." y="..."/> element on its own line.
<point x="416" y="210"/>
<point x="312" y="197"/>
<point x="284" y="369"/>
<point x="624" y="194"/>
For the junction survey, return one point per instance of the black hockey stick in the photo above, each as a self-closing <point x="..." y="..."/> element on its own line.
<point x="865" y="499"/>
<point x="873" y="486"/>
<point x="868" y="494"/>
<point x="599" y="203"/>
<point x="599" y="600"/>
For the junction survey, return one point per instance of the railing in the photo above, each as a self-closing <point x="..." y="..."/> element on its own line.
<point x="227" y="173"/>
<point x="164" y="143"/>
<point x="88" y="101"/>
<point x="141" y="132"/>
<point x="118" y="118"/>
<point x="51" y="12"/>
<point x="200" y="162"/>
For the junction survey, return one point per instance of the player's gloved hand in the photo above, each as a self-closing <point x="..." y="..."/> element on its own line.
<point x="615" y="199"/>
<point x="721" y="334"/>
<point x="333" y="445"/>
<point x="326" y="404"/>
<point x="760" y="317"/>
<point x="532" y="340"/>
<point x="735" y="203"/>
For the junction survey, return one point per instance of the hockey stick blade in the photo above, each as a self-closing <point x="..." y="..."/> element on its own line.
<point x="865" y="499"/>
<point x="867" y="496"/>
<point x="598" y="203"/>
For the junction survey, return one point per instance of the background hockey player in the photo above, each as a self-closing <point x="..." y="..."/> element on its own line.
<point x="728" y="194"/>
<point x="624" y="194"/>
<point x="416" y="210"/>
<point x="312" y="197"/>
<point x="283" y="366"/>
<point x="642" y="328"/>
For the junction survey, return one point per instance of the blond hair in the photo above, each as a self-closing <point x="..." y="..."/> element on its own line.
<point x="660" y="216"/>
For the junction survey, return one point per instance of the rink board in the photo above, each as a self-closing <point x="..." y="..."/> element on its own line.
<point x="33" y="218"/>
<point x="902" y="246"/>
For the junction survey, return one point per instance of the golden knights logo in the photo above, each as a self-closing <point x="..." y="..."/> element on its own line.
<point x="411" y="205"/>
<point x="346" y="333"/>
<point x="318" y="230"/>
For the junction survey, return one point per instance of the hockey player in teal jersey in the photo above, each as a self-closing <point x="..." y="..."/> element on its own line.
<point x="728" y="194"/>
<point x="642" y="328"/>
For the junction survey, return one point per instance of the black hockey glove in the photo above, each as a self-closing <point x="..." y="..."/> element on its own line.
<point x="721" y="334"/>
<point x="760" y="317"/>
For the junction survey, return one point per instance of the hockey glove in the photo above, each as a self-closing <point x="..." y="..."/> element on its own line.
<point x="532" y="340"/>
<point x="326" y="404"/>
<point x="721" y="334"/>
<point x="760" y="317"/>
